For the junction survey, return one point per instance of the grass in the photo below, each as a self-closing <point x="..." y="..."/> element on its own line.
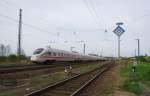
<point x="132" y="86"/>
<point x="9" y="63"/>
<point x="132" y="80"/>
<point x="13" y="60"/>
<point x="37" y="82"/>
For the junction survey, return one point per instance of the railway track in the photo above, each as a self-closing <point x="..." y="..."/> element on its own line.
<point x="23" y="68"/>
<point x="27" y="65"/>
<point x="14" y="69"/>
<point x="72" y="86"/>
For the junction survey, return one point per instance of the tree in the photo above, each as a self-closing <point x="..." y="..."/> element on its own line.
<point x="13" y="58"/>
<point x="141" y="58"/>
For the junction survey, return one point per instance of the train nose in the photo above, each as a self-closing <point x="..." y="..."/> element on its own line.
<point x="34" y="58"/>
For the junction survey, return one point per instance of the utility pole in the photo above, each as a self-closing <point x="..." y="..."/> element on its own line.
<point x="19" y="33"/>
<point x="135" y="52"/>
<point x="84" y="48"/>
<point x="118" y="46"/>
<point x="138" y="45"/>
<point x="101" y="54"/>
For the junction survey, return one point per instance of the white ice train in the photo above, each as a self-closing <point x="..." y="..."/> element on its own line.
<point x="50" y="55"/>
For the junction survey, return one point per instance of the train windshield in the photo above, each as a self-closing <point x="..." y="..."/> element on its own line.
<point x="38" y="51"/>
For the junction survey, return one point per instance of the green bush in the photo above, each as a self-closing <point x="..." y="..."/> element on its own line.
<point x="147" y="58"/>
<point x="147" y="75"/>
<point x="141" y="58"/>
<point x="143" y="71"/>
<point x="132" y="86"/>
<point x="141" y="75"/>
<point x="12" y="58"/>
<point x="22" y="57"/>
<point x="15" y="58"/>
<point x="3" y="58"/>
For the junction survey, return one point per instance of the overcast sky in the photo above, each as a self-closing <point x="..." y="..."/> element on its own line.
<point x="63" y="23"/>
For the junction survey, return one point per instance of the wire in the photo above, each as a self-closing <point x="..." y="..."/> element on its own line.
<point x="26" y="24"/>
<point x="10" y="18"/>
<point x="90" y="11"/>
<point x="93" y="12"/>
<point x="13" y="5"/>
<point x="10" y="4"/>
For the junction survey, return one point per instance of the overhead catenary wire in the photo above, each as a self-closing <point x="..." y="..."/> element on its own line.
<point x="17" y="7"/>
<point x="10" y="4"/>
<point x="28" y="25"/>
<point x="95" y="12"/>
<point x="92" y="10"/>
<point x="34" y="27"/>
<point x="13" y="5"/>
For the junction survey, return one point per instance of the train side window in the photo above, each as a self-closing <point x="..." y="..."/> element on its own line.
<point x="59" y="54"/>
<point x="54" y="54"/>
<point x="49" y="53"/>
<point x="45" y="54"/>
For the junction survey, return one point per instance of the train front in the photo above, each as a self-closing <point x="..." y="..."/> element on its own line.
<point x="35" y="58"/>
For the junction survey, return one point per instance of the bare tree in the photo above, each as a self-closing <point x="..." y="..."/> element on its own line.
<point x="2" y="50"/>
<point x="8" y="50"/>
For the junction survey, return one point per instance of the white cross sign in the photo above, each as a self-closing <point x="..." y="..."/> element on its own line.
<point x="119" y="31"/>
